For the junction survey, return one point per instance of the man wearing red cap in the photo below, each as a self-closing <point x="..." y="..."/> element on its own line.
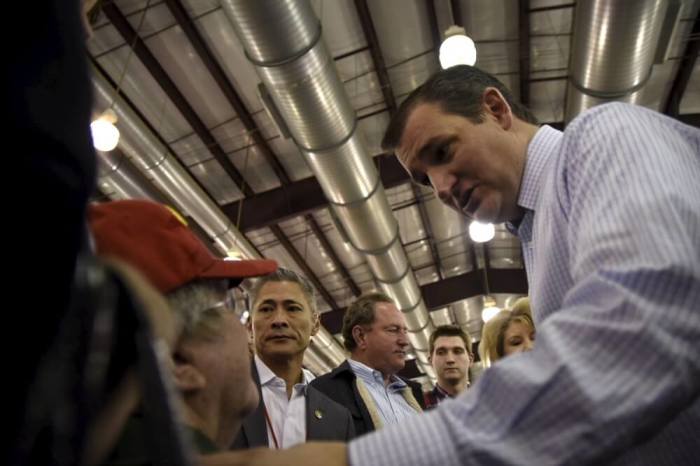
<point x="211" y="360"/>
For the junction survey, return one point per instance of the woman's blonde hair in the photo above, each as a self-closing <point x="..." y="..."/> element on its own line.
<point x="491" y="346"/>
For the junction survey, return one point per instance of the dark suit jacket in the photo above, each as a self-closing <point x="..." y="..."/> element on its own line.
<point x="334" y="424"/>
<point x="339" y="385"/>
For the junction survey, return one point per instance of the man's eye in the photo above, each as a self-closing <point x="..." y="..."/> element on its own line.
<point x="441" y="155"/>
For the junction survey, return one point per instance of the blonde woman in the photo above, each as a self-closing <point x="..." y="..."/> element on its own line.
<point x="508" y="332"/>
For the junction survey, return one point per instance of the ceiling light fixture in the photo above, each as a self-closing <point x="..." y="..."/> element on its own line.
<point x="481" y="232"/>
<point x="457" y="48"/>
<point x="105" y="136"/>
<point x="490" y="309"/>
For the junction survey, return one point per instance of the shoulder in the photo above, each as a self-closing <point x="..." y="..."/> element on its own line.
<point x="340" y="375"/>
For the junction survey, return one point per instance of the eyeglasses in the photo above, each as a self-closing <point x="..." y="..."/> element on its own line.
<point x="236" y="301"/>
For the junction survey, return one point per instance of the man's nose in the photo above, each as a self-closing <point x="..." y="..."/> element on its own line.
<point x="443" y="183"/>
<point x="279" y="318"/>
<point x="528" y="344"/>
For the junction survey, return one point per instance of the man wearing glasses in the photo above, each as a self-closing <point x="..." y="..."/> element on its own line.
<point x="375" y="334"/>
<point x="211" y="361"/>
<point x="284" y="318"/>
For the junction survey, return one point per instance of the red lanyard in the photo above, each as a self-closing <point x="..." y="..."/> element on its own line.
<point x="272" y="429"/>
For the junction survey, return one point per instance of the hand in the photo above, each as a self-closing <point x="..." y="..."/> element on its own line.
<point x="306" y="454"/>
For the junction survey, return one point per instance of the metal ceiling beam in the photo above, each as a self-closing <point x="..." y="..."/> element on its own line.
<point x="685" y="70"/>
<point x="301" y="263"/>
<point x="553" y="7"/>
<point x="433" y="21"/>
<point x="119" y="21"/>
<point x="217" y="72"/>
<point x="450" y="290"/>
<point x="301" y="197"/>
<point x="524" y="48"/>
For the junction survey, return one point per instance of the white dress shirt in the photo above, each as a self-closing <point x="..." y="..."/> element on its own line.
<point x="288" y="416"/>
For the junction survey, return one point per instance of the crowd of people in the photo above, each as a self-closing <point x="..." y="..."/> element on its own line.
<point x="608" y="214"/>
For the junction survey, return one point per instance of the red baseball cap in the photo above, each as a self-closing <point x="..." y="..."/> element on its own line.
<point x="156" y="240"/>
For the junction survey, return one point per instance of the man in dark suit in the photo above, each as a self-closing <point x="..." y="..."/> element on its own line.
<point x="283" y="320"/>
<point x="375" y="333"/>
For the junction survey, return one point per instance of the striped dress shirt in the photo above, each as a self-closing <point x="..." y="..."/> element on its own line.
<point x="391" y="405"/>
<point x="611" y="240"/>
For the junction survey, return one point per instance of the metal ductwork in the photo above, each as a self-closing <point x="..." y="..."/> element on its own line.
<point x="615" y="44"/>
<point x="119" y="177"/>
<point x="158" y="164"/>
<point x="283" y="40"/>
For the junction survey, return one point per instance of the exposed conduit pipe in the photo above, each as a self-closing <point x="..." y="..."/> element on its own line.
<point x="615" y="44"/>
<point x="283" y="41"/>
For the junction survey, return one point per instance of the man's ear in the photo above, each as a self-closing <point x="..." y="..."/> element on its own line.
<point x="358" y="334"/>
<point x="188" y="377"/>
<point x="497" y="107"/>
<point x="316" y="324"/>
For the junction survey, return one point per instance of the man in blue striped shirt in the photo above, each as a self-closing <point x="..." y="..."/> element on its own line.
<point x="375" y="334"/>
<point x="608" y="213"/>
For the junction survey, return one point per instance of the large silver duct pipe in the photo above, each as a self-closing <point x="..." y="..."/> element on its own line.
<point x="120" y="179"/>
<point x="157" y="163"/>
<point x="283" y="40"/>
<point x="614" y="47"/>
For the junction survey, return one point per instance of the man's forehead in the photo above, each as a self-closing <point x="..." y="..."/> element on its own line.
<point x="425" y="121"/>
<point x="449" y="342"/>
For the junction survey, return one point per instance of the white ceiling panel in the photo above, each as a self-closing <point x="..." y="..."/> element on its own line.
<point x="176" y="55"/>
<point x="291" y="159"/>
<point x="158" y="18"/>
<point x="489" y="19"/>
<point x="410" y="74"/>
<point x="547" y="100"/>
<point x="216" y="181"/>
<point x="404" y="32"/>
<point x="217" y="31"/>
<point x="145" y="93"/>
<point x="549" y="53"/>
<point x="364" y="91"/>
<point x="410" y="224"/>
<point x="191" y="150"/>
<point x="354" y="65"/>
<point x="104" y="39"/>
<point x="426" y="275"/>
<point x="552" y="21"/>
<point x="372" y="130"/>
<point x="196" y="8"/>
<point x="231" y="135"/>
<point x="342" y="31"/>
<point x="498" y="57"/>
<point x="253" y="166"/>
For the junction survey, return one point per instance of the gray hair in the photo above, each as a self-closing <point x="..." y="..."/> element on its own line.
<point x="286" y="275"/>
<point x="195" y="308"/>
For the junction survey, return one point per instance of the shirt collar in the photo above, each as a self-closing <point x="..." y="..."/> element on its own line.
<point x="372" y="375"/>
<point x="268" y="377"/>
<point x="541" y="147"/>
<point x="543" y="144"/>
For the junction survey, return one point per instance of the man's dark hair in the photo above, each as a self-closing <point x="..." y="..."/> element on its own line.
<point x="361" y="312"/>
<point x="450" y="331"/>
<point x="458" y="90"/>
